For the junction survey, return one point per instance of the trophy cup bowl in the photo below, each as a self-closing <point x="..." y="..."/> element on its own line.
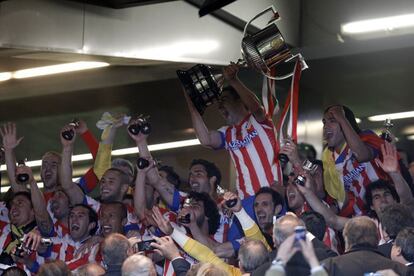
<point x="200" y="85"/>
<point x="261" y="51"/>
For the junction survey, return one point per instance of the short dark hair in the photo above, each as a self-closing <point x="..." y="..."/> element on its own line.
<point x="405" y="240"/>
<point x="172" y="176"/>
<point x="93" y="216"/>
<point x="276" y="197"/>
<point x="210" y="210"/>
<point x="14" y="195"/>
<point x="120" y="205"/>
<point x="379" y="184"/>
<point x="315" y="223"/>
<point x="349" y="115"/>
<point x="210" y="167"/>
<point x="396" y="217"/>
<point x="307" y="150"/>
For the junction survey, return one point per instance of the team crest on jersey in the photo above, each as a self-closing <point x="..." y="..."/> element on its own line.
<point x="355" y="173"/>
<point x="237" y="144"/>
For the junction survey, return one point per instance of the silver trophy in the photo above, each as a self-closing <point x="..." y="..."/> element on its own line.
<point x="261" y="51"/>
<point x="386" y="133"/>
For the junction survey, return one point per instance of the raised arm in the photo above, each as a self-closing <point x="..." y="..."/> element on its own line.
<point x="139" y="192"/>
<point x="189" y="245"/>
<point x="74" y="192"/>
<point x="103" y="157"/>
<point x="250" y="228"/>
<point x="10" y="142"/>
<point x="164" y="188"/>
<point x="208" y="138"/>
<point x="362" y="152"/>
<point x="248" y="98"/>
<point x="83" y="131"/>
<point x="43" y="220"/>
<point x="391" y="167"/>
<point x="333" y="220"/>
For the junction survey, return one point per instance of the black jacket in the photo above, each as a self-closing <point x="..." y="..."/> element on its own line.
<point x="297" y="265"/>
<point x="360" y="260"/>
<point x="181" y="266"/>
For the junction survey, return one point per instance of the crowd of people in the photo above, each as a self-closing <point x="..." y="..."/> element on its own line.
<point x="349" y="213"/>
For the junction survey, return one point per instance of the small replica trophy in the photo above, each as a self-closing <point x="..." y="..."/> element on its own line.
<point x="386" y="133"/>
<point x="186" y="218"/>
<point x="229" y="203"/>
<point x="142" y="125"/>
<point x="307" y="166"/>
<point x="261" y="51"/>
<point x="22" y="178"/>
<point x="68" y="134"/>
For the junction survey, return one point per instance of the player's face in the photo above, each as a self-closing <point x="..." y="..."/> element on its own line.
<point x="199" y="180"/>
<point x="79" y="225"/>
<point x="21" y="211"/>
<point x="228" y="107"/>
<point x="264" y="209"/>
<point x="49" y="170"/>
<point x="59" y="204"/>
<point x="332" y="132"/>
<point x="110" y="219"/>
<point x="111" y="186"/>
<point x="380" y="199"/>
<point x="294" y="197"/>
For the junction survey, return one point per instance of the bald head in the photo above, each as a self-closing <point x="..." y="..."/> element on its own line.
<point x="91" y="270"/>
<point x="252" y="254"/>
<point x="360" y="231"/>
<point x="115" y="249"/>
<point x="138" y="265"/>
<point x="285" y="226"/>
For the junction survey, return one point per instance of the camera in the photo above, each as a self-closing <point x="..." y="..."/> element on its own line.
<point x="142" y="163"/>
<point x="142" y="126"/>
<point x="68" y="134"/>
<point x="143" y="246"/>
<point x="300" y="234"/>
<point x="231" y="203"/>
<point x="22" y="177"/>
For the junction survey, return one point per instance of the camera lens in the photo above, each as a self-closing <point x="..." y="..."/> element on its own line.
<point x="231" y="202"/>
<point x="146" y="128"/>
<point x="68" y="135"/>
<point x="23" y="177"/>
<point x="142" y="163"/>
<point x="134" y="129"/>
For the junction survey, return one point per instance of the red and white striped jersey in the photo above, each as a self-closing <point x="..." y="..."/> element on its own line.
<point x="252" y="147"/>
<point x="4" y="212"/>
<point x="65" y="249"/>
<point x="356" y="176"/>
<point x="5" y="230"/>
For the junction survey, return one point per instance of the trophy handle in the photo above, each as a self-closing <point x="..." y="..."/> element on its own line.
<point x="275" y="17"/>
<point x="302" y="61"/>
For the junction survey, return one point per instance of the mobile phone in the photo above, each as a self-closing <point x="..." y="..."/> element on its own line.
<point x="300" y="234"/>
<point x="143" y="246"/>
